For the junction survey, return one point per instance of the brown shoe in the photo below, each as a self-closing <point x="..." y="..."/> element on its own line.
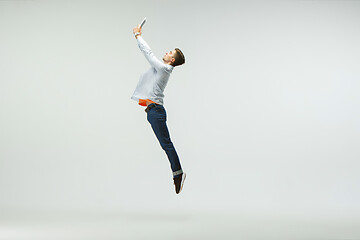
<point x="179" y="182"/>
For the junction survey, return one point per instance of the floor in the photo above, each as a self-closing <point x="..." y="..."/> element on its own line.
<point x="29" y="225"/>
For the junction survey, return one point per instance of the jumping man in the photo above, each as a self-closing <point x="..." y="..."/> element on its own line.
<point x="150" y="93"/>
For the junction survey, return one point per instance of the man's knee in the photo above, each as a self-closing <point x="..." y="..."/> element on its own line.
<point x="168" y="145"/>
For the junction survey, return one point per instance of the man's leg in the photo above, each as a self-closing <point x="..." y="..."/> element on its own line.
<point x="157" y="118"/>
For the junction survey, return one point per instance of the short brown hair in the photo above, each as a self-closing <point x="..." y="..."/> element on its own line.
<point x="179" y="58"/>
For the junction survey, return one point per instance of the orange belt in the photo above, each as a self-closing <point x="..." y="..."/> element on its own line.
<point x="142" y="102"/>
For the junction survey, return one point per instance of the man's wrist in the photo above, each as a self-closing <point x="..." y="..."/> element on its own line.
<point x="137" y="34"/>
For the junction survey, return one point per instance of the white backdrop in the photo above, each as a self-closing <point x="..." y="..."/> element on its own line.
<point x="265" y="113"/>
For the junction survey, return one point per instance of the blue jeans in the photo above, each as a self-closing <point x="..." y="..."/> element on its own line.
<point x="157" y="118"/>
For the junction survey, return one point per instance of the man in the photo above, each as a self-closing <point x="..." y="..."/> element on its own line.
<point x="150" y="93"/>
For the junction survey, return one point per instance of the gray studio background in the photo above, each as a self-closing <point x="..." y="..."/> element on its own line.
<point x="264" y="114"/>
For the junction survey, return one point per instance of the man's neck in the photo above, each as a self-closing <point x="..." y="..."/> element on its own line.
<point x="168" y="63"/>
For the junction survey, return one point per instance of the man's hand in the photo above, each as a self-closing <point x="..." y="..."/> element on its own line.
<point x="137" y="29"/>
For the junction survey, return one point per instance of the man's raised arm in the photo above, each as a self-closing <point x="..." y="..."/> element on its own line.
<point x="146" y="50"/>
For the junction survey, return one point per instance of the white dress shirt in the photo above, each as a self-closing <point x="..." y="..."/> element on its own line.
<point x="152" y="83"/>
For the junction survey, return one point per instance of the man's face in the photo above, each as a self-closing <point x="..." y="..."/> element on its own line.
<point x="169" y="56"/>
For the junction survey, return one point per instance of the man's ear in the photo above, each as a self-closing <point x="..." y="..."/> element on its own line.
<point x="172" y="60"/>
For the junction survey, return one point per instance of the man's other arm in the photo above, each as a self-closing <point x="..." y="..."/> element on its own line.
<point x="146" y="50"/>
